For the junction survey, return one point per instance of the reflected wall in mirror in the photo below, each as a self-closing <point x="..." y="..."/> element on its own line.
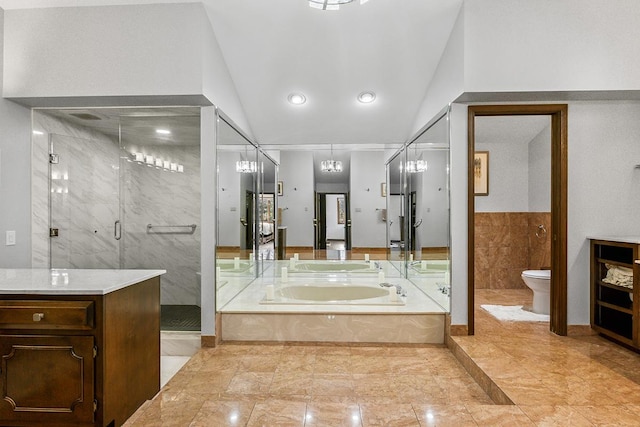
<point x="427" y="211"/>
<point x="267" y="210"/>
<point x="308" y="205"/>
<point x="396" y="210"/>
<point x="237" y="168"/>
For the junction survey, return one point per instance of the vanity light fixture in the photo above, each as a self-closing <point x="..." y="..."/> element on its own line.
<point x="366" y="97"/>
<point x="330" y="4"/>
<point x="331" y="165"/>
<point x="148" y="159"/>
<point x="163" y="131"/>
<point x="297" y="98"/>
<point x="38" y="132"/>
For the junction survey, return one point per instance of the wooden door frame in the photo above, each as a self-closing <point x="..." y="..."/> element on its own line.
<point x="559" y="182"/>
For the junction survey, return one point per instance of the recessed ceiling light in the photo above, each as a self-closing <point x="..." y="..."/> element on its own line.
<point x="297" y="99"/>
<point x="367" y="97"/>
<point x="163" y="131"/>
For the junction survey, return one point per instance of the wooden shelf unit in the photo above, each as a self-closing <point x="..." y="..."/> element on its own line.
<point x="613" y="311"/>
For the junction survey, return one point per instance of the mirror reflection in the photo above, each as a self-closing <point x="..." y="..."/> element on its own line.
<point x="332" y="227"/>
<point x="237" y="167"/>
<point x="427" y="178"/>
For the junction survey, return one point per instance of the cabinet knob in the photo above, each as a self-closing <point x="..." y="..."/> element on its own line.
<point x="38" y="317"/>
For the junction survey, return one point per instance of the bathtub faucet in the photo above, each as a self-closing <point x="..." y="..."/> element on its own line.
<point x="399" y="289"/>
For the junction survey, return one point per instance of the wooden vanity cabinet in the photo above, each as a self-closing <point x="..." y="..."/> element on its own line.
<point x="79" y="360"/>
<point x="615" y="309"/>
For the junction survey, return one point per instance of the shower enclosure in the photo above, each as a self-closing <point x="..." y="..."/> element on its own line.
<point x="124" y="192"/>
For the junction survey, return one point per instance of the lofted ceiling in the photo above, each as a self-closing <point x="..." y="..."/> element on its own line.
<point x="277" y="47"/>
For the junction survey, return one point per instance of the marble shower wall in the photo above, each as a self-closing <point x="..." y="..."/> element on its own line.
<point x="159" y="197"/>
<point x="506" y="244"/>
<point x="83" y="193"/>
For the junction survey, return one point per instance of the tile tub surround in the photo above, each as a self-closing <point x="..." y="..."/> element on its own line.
<point x="420" y="320"/>
<point x="506" y="245"/>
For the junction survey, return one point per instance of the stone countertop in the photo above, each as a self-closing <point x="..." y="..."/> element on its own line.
<point x="620" y="239"/>
<point x="70" y="281"/>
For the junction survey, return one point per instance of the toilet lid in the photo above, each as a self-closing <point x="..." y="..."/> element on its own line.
<point x="537" y="274"/>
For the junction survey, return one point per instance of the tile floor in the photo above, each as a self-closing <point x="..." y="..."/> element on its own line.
<point x="552" y="381"/>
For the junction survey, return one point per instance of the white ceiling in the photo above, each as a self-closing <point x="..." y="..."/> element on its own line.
<point x="273" y="48"/>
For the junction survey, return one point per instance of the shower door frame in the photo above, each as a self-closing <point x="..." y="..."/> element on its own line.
<point x="559" y="183"/>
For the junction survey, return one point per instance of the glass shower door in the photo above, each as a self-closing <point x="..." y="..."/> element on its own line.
<point x="84" y="202"/>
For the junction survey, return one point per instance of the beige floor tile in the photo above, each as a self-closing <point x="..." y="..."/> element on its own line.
<point x="259" y="363"/>
<point x="444" y="416"/>
<point x="297" y="363"/>
<point x="332" y="385"/>
<point x="291" y="383"/>
<point x="278" y="413"/>
<point x="223" y="413"/>
<point x="552" y="416"/>
<point x="250" y="382"/>
<point x="499" y="415"/>
<point x="332" y="364"/>
<point x="401" y="415"/>
<point x="616" y="415"/>
<point x="332" y="415"/>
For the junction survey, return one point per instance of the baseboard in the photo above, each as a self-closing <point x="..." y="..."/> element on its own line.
<point x="580" y="330"/>
<point x="208" y="341"/>
<point x="364" y="250"/>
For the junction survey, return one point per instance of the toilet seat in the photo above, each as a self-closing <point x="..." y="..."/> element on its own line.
<point x="537" y="274"/>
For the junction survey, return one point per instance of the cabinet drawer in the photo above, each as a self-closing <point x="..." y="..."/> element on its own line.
<point x="43" y="314"/>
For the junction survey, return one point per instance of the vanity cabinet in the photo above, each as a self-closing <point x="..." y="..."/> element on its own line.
<point x="615" y="306"/>
<point x="79" y="360"/>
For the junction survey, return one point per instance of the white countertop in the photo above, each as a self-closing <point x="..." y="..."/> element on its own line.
<point x="69" y="281"/>
<point x="622" y="239"/>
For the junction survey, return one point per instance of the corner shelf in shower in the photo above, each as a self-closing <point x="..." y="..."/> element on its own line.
<point x="615" y="309"/>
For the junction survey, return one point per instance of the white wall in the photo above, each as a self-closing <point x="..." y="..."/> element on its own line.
<point x="15" y="178"/>
<point x="154" y="54"/>
<point x="296" y="174"/>
<point x="335" y="231"/>
<point x="540" y="172"/>
<point x="367" y="173"/>
<point x="550" y="45"/>
<point x="508" y="175"/>
<point x="230" y="205"/>
<point x="448" y="80"/>
<point x="604" y="195"/>
<point x="459" y="237"/>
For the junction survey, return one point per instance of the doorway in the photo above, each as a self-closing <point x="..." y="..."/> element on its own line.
<point x="559" y="160"/>
<point x="333" y="224"/>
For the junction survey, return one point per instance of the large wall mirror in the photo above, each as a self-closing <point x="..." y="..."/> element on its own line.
<point x="267" y="210"/>
<point x="237" y="169"/>
<point x="427" y="211"/>
<point x="418" y="213"/>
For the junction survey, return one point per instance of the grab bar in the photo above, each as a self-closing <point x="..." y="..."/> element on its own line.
<point x="172" y="229"/>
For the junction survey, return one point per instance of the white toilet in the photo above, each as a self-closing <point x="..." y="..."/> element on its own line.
<point x="539" y="281"/>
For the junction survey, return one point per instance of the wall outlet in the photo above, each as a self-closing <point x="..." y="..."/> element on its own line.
<point x="11" y="238"/>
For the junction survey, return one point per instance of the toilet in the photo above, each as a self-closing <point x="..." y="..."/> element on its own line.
<point x="539" y="281"/>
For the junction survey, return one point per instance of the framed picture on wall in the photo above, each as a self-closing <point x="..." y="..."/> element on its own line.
<point x="341" y="214"/>
<point x="481" y="173"/>
<point x="280" y="189"/>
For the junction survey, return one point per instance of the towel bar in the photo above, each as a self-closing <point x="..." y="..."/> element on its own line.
<point x="171" y="229"/>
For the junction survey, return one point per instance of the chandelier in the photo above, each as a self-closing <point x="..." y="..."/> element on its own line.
<point x="246" y="166"/>
<point x="331" y="165"/>
<point x="330" y="4"/>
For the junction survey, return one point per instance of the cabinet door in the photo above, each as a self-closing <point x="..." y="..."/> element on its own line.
<point x="46" y="379"/>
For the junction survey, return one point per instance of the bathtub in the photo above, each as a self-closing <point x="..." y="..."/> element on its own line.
<point x="332" y="267"/>
<point x="333" y="293"/>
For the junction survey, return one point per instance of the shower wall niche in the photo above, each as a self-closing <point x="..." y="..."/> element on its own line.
<point x="119" y="194"/>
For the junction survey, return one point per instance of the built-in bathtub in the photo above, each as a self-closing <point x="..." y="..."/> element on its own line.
<point x="334" y="293"/>
<point x="333" y="267"/>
